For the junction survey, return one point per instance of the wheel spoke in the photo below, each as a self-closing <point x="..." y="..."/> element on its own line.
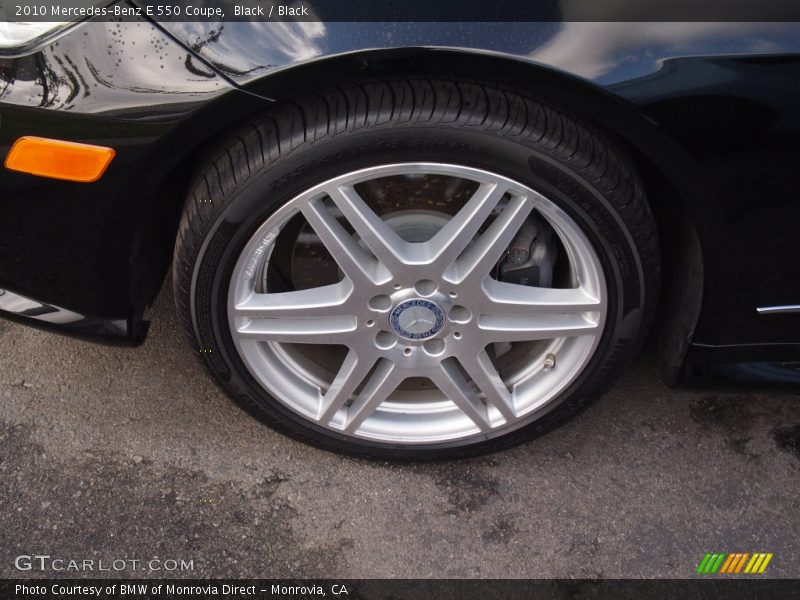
<point x="350" y="375"/>
<point x="510" y="299"/>
<point x="454" y="237"/>
<point x="521" y="328"/>
<point x="299" y="330"/>
<point x="449" y="379"/>
<point x="491" y="387"/>
<point x="383" y="381"/>
<point x="325" y="301"/>
<point x="381" y="239"/>
<point x="478" y="259"/>
<point x="356" y="263"/>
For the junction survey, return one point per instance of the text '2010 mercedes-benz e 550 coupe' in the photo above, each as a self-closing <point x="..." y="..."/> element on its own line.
<point x="409" y="240"/>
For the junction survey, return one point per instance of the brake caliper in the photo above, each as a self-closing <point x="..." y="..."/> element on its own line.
<point x="531" y="256"/>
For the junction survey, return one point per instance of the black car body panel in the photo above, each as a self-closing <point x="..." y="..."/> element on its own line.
<point x="707" y="110"/>
<point x="101" y="249"/>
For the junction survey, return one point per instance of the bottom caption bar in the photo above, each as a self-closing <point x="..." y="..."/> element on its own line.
<point x="398" y="589"/>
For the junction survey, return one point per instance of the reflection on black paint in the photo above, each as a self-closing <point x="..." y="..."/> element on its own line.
<point x="108" y="68"/>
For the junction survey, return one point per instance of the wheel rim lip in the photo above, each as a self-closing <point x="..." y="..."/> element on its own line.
<point x="258" y="355"/>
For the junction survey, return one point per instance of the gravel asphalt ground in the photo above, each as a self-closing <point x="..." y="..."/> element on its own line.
<point x="134" y="454"/>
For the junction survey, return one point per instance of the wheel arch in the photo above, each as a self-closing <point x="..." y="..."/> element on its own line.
<point x="682" y="203"/>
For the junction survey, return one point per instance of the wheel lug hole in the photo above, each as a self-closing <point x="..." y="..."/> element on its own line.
<point x="426" y="287"/>
<point x="453" y="294"/>
<point x="370" y="322"/>
<point x="457" y="335"/>
<point x="380" y="303"/>
<point x="385" y="340"/>
<point x="460" y="314"/>
<point x="407" y="351"/>
<point x="433" y="347"/>
<point x="397" y="286"/>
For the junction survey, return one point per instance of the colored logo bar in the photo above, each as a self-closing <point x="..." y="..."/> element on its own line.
<point x="734" y="563"/>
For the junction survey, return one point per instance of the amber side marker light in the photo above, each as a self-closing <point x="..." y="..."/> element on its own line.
<point x="60" y="160"/>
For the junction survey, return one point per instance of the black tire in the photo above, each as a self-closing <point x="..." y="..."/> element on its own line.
<point x="295" y="145"/>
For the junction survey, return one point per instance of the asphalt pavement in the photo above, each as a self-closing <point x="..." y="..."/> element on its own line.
<point x="134" y="454"/>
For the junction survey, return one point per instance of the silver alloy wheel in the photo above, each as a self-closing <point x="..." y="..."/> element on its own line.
<point x="425" y="310"/>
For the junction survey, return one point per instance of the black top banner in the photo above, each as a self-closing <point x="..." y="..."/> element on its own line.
<point x="401" y="10"/>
